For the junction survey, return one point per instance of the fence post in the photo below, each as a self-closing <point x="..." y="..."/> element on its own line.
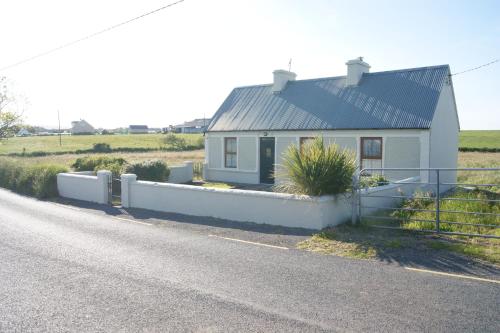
<point x="438" y="201"/>
<point x="126" y="180"/>
<point x="103" y="178"/>
<point x="354" y="204"/>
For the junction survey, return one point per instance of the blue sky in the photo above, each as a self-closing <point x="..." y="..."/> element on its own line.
<point x="182" y="62"/>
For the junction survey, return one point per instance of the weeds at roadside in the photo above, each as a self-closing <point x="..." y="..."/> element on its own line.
<point x="364" y="242"/>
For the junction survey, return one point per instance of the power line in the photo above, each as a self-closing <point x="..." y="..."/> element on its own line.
<point x="473" y="69"/>
<point x="88" y="36"/>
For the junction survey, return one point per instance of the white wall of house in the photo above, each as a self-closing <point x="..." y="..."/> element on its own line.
<point x="444" y="135"/>
<point x="400" y="149"/>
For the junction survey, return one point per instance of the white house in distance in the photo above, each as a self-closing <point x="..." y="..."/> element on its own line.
<point x="393" y="119"/>
<point x="194" y="126"/>
<point x="138" y="129"/>
<point x="81" y="127"/>
<point x="24" y="132"/>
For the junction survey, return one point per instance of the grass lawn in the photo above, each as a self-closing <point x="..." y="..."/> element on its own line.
<point x="71" y="143"/>
<point x="480" y="139"/>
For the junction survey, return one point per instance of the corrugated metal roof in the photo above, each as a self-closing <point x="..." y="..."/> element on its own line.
<point x="383" y="100"/>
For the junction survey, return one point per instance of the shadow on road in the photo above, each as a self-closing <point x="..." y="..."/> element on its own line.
<point x="403" y="249"/>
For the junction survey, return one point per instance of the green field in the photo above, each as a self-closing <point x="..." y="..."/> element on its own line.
<point x="480" y="139"/>
<point x="50" y="144"/>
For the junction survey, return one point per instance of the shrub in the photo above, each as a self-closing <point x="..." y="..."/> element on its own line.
<point x="316" y="169"/>
<point x="174" y="142"/>
<point x="479" y="149"/>
<point x="154" y="170"/>
<point x="373" y="181"/>
<point x="9" y="173"/>
<point x="102" y="147"/>
<point x="420" y="200"/>
<point x="200" y="142"/>
<point x="95" y="163"/>
<point x="36" y="180"/>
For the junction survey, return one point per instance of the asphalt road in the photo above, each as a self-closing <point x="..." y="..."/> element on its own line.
<point x="64" y="269"/>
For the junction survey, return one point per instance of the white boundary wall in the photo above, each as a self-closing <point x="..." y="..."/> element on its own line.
<point x="181" y="173"/>
<point x="405" y="187"/>
<point x="238" y="205"/>
<point x="84" y="187"/>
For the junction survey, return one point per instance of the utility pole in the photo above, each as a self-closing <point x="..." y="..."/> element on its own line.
<point x="59" y="121"/>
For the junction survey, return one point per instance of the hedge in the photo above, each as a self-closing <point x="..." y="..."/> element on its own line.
<point x="153" y="170"/>
<point x="482" y="150"/>
<point x="35" y="180"/>
<point x="99" y="150"/>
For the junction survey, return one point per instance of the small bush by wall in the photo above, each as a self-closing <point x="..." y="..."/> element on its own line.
<point x="317" y="169"/>
<point x="35" y="180"/>
<point x="153" y="170"/>
<point x="373" y="181"/>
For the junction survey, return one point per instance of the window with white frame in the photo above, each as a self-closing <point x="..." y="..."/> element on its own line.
<point x="371" y="153"/>
<point x="230" y="152"/>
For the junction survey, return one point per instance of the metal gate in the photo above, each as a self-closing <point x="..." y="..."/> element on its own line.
<point x="114" y="191"/>
<point x="427" y="201"/>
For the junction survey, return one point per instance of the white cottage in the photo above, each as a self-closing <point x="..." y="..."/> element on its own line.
<point x="81" y="127"/>
<point x="394" y="119"/>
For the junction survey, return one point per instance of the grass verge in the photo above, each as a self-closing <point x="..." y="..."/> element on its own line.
<point x="363" y="242"/>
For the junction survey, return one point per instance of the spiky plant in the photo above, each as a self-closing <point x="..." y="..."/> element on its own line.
<point x="316" y="169"/>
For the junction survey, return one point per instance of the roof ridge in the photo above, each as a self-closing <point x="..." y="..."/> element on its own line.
<point x="414" y="69"/>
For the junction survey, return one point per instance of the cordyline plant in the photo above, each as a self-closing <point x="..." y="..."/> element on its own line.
<point x="316" y="169"/>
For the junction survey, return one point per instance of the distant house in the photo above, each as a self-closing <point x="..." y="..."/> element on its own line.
<point x="395" y="119"/>
<point x="81" y="127"/>
<point x="193" y="126"/>
<point x="23" y="132"/>
<point x="138" y="129"/>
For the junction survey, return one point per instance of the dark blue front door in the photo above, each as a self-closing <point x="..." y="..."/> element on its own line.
<point x="267" y="160"/>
